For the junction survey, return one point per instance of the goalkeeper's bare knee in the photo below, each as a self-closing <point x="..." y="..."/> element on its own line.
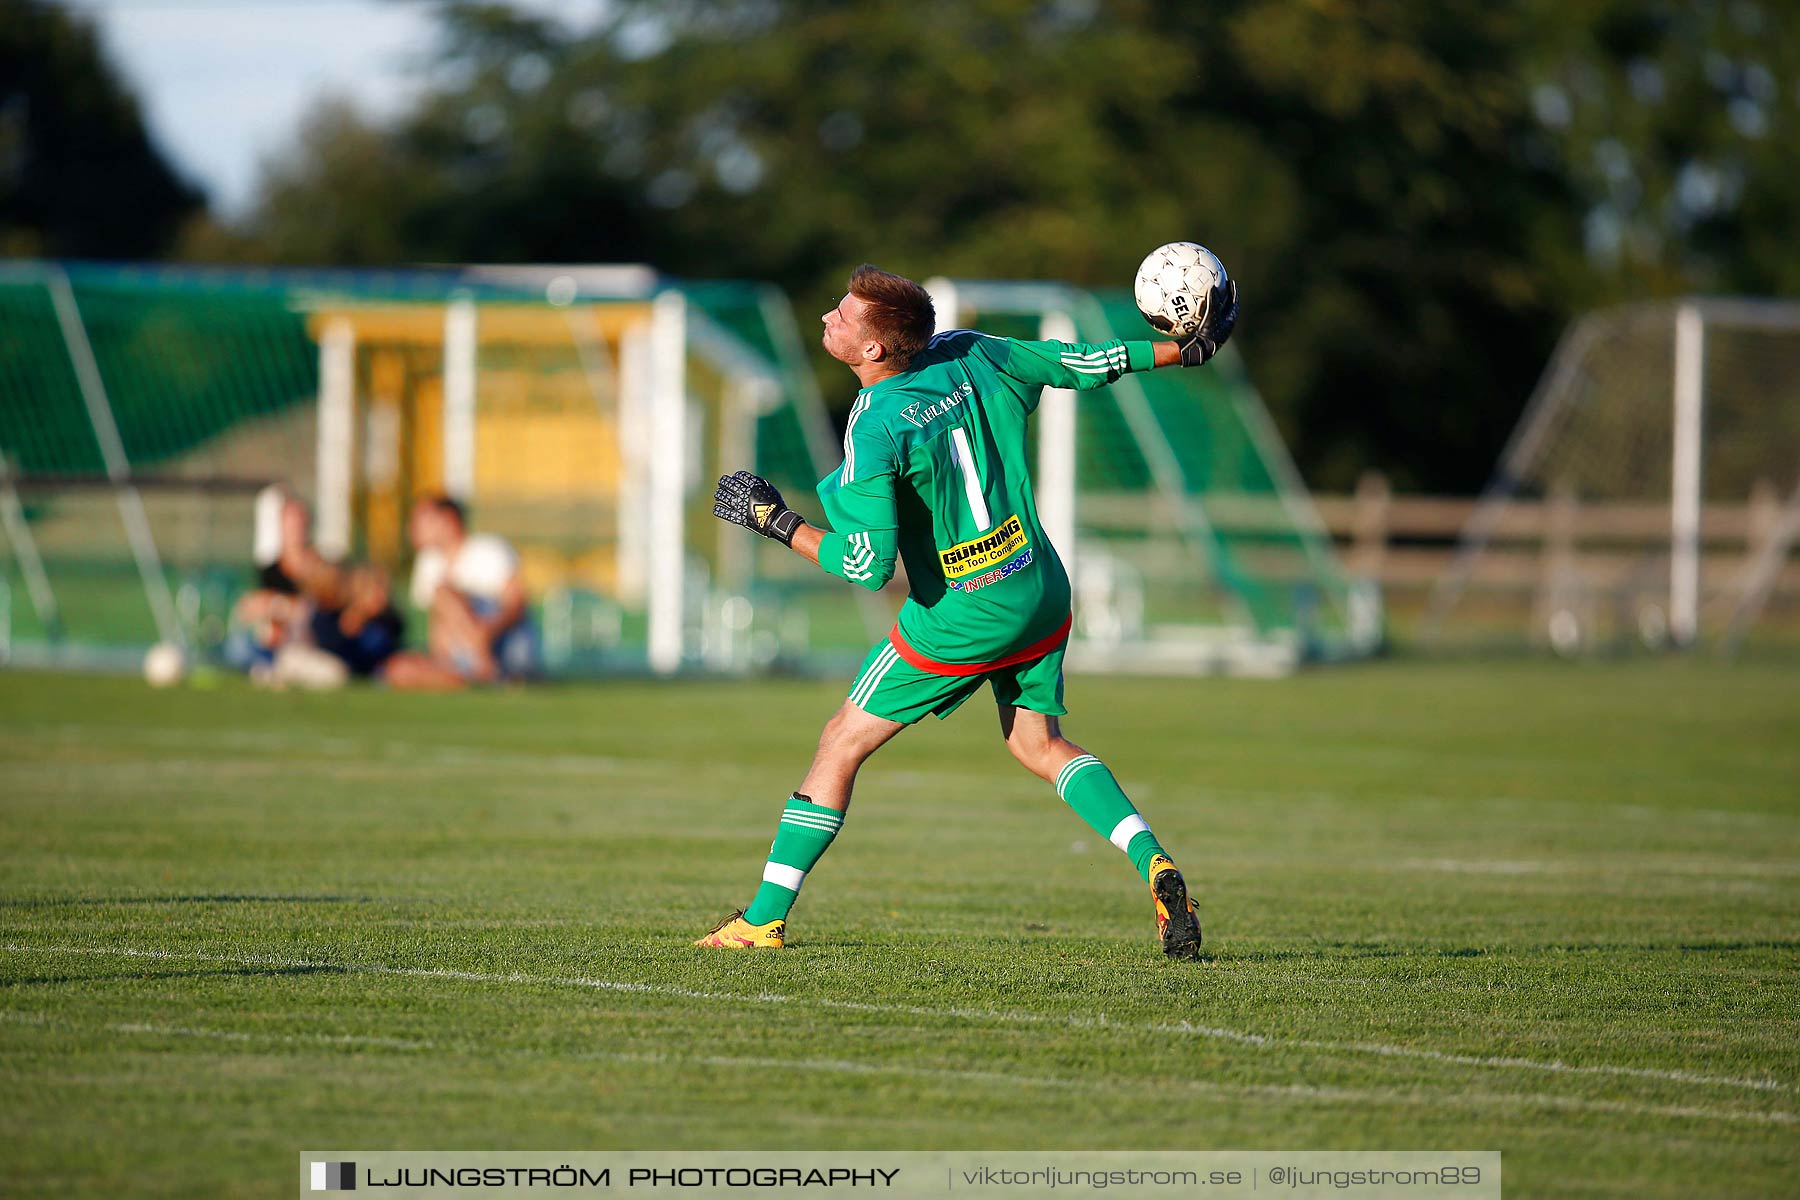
<point x="852" y="735"/>
<point x="1042" y="754"/>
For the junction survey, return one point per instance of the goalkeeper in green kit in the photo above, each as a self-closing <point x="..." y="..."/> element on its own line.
<point x="934" y="474"/>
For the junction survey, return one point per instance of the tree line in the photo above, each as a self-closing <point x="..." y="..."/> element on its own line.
<point x="1415" y="195"/>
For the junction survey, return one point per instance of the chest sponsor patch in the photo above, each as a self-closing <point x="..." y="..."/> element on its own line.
<point x="994" y="576"/>
<point x="977" y="554"/>
<point x="922" y="414"/>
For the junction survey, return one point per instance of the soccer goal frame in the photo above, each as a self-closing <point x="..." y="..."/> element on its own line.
<point x="583" y="410"/>
<point x="1566" y="385"/>
<point x="640" y="340"/>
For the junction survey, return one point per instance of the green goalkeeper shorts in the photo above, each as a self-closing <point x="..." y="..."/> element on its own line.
<point x="888" y="686"/>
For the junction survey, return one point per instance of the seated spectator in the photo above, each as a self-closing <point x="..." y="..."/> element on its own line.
<point x="272" y="615"/>
<point x="312" y="623"/>
<point x="367" y="630"/>
<point x="471" y="590"/>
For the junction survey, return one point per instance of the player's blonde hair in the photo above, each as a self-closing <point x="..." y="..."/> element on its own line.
<point x="897" y="312"/>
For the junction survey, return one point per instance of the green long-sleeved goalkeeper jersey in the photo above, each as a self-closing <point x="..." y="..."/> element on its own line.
<point x="934" y="472"/>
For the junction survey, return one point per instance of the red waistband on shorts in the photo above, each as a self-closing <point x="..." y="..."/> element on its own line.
<point x="1036" y="650"/>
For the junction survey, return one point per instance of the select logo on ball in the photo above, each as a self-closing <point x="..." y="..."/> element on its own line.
<point x="1174" y="285"/>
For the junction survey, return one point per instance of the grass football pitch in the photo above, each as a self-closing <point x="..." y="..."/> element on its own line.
<point x="1547" y="909"/>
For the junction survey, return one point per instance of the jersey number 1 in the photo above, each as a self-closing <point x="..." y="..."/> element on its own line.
<point x="959" y="450"/>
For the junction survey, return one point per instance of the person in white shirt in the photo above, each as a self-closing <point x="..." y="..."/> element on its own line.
<point x="471" y="590"/>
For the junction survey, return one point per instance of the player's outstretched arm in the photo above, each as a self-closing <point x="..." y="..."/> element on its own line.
<point x="1080" y="366"/>
<point x="806" y="542"/>
<point x="865" y="558"/>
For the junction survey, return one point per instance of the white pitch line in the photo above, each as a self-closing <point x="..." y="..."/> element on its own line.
<point x="234" y="1035"/>
<point x="391" y="750"/>
<point x="289" y="1039"/>
<point x="1001" y="1016"/>
<point x="1614" y="865"/>
<point x="1278" y="1091"/>
<point x="382" y="753"/>
<point x="36" y="731"/>
<point x="839" y="1066"/>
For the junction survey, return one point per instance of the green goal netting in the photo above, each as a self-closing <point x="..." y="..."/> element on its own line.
<point x="579" y="412"/>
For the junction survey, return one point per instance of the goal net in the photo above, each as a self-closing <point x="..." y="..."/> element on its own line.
<point x="582" y="413"/>
<point x="1661" y="452"/>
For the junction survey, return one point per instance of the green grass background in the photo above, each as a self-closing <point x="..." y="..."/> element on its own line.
<point x="221" y="910"/>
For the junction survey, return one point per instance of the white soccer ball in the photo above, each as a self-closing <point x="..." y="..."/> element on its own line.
<point x="165" y="665"/>
<point x="1174" y="285"/>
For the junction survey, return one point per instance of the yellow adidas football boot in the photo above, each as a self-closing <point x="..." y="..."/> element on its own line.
<point x="1177" y="924"/>
<point x="735" y="933"/>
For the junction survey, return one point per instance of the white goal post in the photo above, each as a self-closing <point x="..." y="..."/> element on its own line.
<point x="1664" y="404"/>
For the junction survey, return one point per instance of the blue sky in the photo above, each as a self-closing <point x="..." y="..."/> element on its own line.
<point x="225" y="83"/>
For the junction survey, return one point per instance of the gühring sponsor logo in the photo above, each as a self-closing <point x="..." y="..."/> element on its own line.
<point x="966" y="558"/>
<point x="334" y="1177"/>
<point x="922" y="414"/>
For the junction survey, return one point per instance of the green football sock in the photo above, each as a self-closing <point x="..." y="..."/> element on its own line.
<point x="1088" y="787"/>
<point x="801" y="839"/>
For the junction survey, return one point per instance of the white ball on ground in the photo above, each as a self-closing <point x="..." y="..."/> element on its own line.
<point x="308" y="668"/>
<point x="165" y="665"/>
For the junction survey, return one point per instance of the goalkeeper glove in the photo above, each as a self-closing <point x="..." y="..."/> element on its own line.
<point x="1221" y="315"/>
<point x="748" y="500"/>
